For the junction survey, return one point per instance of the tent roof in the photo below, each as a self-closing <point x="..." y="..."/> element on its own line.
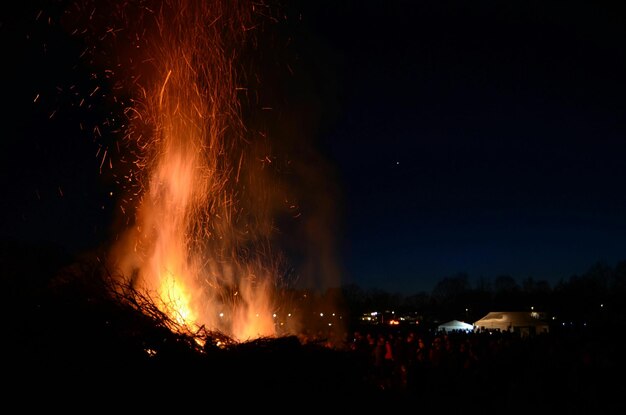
<point x="503" y="319"/>
<point x="455" y="325"/>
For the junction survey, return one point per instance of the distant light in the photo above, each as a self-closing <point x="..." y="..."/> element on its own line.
<point x="601" y="305"/>
<point x="221" y="314"/>
<point x="397" y="163"/>
<point x="274" y="315"/>
<point x="321" y="314"/>
<point x="289" y="315"/>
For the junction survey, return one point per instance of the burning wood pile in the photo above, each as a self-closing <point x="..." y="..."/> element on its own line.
<point x="82" y="336"/>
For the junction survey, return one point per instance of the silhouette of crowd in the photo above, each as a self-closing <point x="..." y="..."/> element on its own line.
<point x="575" y="371"/>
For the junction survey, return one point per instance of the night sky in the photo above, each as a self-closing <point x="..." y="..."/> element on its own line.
<point x="481" y="137"/>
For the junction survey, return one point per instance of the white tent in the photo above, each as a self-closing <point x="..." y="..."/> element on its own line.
<point x="455" y="325"/>
<point x="521" y="322"/>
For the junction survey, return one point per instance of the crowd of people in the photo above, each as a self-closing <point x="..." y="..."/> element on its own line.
<point x="501" y="369"/>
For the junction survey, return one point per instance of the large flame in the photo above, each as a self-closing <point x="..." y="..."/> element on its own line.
<point x="197" y="243"/>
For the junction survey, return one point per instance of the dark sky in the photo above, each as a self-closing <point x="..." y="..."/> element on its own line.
<point x="483" y="137"/>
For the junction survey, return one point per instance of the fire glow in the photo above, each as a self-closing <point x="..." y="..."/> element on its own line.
<point x="198" y="237"/>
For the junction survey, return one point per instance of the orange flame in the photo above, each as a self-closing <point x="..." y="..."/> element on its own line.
<point x="194" y="243"/>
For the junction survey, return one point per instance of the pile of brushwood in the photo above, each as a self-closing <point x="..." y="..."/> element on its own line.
<point x="81" y="335"/>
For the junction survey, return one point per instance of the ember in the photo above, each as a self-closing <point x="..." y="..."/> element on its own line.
<point x="197" y="201"/>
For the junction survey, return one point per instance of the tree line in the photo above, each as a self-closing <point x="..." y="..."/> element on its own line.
<point x="593" y="297"/>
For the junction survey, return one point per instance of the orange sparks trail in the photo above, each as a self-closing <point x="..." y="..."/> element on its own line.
<point x="195" y="245"/>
